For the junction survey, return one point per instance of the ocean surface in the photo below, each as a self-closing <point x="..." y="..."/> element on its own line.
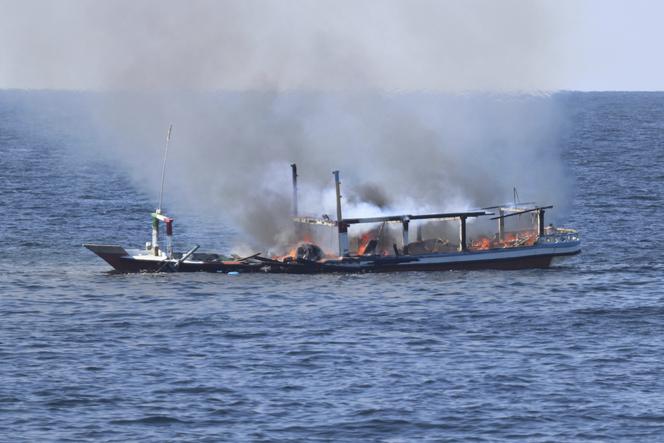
<point x="570" y="353"/>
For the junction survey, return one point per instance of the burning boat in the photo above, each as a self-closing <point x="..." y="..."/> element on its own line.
<point x="535" y="246"/>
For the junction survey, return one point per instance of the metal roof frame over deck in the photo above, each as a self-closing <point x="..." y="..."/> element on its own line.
<point x="342" y="224"/>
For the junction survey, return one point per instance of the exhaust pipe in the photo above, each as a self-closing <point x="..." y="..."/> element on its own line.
<point x="294" y="170"/>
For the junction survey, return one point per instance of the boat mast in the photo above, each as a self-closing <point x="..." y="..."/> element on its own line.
<point x="157" y="216"/>
<point x="404" y="224"/>
<point x="341" y="226"/>
<point x="501" y="224"/>
<point x="163" y="168"/>
<point x="516" y="196"/>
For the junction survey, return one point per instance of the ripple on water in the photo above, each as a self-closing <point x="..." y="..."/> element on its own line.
<point x="570" y="353"/>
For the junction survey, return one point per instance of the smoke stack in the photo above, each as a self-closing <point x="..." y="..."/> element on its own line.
<point x="294" y="170"/>
<point x="540" y="222"/>
<point x="463" y="246"/>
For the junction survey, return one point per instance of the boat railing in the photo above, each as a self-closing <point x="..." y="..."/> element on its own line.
<point x="560" y="235"/>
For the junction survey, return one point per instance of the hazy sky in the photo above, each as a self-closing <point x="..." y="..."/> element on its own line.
<point x="615" y="45"/>
<point x="298" y="44"/>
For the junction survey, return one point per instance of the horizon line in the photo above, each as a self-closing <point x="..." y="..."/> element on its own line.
<point x="310" y="90"/>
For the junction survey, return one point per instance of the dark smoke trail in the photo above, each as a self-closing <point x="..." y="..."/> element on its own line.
<point x="373" y="88"/>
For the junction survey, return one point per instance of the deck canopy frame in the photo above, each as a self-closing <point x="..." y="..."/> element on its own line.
<point x="540" y="210"/>
<point x="342" y="224"/>
<point x="403" y="219"/>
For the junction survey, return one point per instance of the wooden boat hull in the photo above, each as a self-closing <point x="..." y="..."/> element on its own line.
<point x="538" y="256"/>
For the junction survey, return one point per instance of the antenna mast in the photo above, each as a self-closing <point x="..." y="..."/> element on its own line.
<point x="163" y="168"/>
<point x="516" y="197"/>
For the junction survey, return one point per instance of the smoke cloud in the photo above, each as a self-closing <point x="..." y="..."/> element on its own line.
<point x="389" y="45"/>
<point x="423" y="105"/>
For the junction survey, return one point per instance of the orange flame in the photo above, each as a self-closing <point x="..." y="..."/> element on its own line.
<point x="510" y="240"/>
<point x="513" y="239"/>
<point x="364" y="242"/>
<point x="481" y="244"/>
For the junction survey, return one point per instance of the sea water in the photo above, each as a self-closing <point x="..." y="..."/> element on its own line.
<point x="570" y="353"/>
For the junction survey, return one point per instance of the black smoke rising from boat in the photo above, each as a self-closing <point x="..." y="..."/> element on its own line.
<point x="377" y="89"/>
<point x="414" y="152"/>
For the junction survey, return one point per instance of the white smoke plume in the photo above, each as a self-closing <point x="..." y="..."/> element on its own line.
<point x="422" y="104"/>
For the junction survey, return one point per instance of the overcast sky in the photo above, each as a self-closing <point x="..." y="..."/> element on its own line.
<point x="388" y="45"/>
<point x="615" y="45"/>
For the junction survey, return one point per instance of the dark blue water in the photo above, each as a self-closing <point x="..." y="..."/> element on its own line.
<point x="571" y="353"/>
